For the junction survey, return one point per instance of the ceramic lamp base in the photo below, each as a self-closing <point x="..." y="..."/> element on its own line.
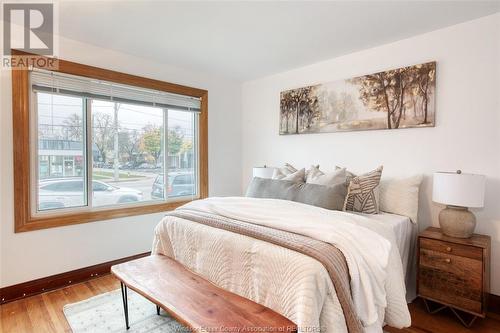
<point x="457" y="222"/>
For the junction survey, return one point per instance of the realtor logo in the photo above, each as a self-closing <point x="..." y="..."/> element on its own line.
<point x="28" y="27"/>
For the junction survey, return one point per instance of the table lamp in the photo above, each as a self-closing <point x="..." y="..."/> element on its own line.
<point x="458" y="191"/>
<point x="263" y="172"/>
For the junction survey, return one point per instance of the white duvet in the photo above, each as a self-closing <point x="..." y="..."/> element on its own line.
<point x="308" y="296"/>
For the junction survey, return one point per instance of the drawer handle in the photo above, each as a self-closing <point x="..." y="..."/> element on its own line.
<point x="448" y="249"/>
<point x="447" y="260"/>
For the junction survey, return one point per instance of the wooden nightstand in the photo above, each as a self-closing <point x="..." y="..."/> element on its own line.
<point x="455" y="273"/>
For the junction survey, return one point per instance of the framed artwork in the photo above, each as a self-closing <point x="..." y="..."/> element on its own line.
<point x="397" y="98"/>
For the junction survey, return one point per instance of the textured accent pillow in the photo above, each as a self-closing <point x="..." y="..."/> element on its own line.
<point x="329" y="197"/>
<point x="316" y="176"/>
<point x="400" y="196"/>
<point x="361" y="193"/>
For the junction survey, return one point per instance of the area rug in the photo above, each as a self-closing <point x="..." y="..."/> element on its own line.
<point x="104" y="313"/>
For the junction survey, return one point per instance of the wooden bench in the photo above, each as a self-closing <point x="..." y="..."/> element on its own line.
<point x="194" y="301"/>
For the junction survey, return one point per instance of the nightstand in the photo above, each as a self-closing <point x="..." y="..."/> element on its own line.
<point x="455" y="273"/>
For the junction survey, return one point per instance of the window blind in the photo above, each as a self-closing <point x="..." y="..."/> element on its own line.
<point x="66" y="84"/>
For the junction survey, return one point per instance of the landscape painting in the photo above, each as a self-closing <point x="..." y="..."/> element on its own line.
<point x="398" y="98"/>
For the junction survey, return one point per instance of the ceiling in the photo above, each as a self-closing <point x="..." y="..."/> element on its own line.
<point x="247" y="40"/>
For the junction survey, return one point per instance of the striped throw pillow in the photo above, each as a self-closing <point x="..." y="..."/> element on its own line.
<point x="361" y="193"/>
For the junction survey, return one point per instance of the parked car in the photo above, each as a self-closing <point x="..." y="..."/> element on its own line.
<point x="68" y="192"/>
<point x="147" y="166"/>
<point x="179" y="184"/>
<point x="103" y="165"/>
<point x="128" y="165"/>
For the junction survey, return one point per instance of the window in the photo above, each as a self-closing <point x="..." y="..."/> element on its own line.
<point x="119" y="138"/>
<point x="100" y="147"/>
<point x="60" y="154"/>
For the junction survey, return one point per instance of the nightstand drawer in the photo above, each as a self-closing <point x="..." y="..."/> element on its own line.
<point x="463" y="267"/>
<point x="449" y="295"/>
<point x="452" y="279"/>
<point x="451" y="248"/>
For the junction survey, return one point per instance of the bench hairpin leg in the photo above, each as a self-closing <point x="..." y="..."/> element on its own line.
<point x="125" y="302"/>
<point x="158" y="310"/>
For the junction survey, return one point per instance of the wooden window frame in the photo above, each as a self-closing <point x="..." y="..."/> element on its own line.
<point x="21" y="92"/>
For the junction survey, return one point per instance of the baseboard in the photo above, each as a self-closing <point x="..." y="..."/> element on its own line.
<point x="30" y="288"/>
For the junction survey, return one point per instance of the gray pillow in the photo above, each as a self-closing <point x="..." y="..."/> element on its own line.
<point x="329" y="197"/>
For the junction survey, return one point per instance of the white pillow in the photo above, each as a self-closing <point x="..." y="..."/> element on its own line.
<point x="313" y="172"/>
<point x="312" y="169"/>
<point x="296" y="177"/>
<point x="400" y="196"/>
<point x="279" y="173"/>
<point x="316" y="176"/>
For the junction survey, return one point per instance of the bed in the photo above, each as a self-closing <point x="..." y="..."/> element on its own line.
<point x="405" y="232"/>
<point x="377" y="251"/>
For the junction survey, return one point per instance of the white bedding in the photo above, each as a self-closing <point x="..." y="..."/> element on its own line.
<point x="307" y="296"/>
<point x="406" y="236"/>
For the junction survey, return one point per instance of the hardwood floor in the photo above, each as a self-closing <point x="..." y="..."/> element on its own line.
<point x="43" y="313"/>
<point x="444" y="322"/>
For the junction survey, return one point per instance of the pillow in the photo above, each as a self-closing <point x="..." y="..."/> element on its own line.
<point x="297" y="177"/>
<point x="312" y="169"/>
<point x="361" y="193"/>
<point x="400" y="196"/>
<point x="329" y="197"/>
<point x="316" y="176"/>
<point x="280" y="173"/>
<point x="313" y="172"/>
<point x="348" y="175"/>
<point x="288" y="172"/>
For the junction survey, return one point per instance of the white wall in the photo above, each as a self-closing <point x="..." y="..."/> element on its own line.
<point x="466" y="136"/>
<point x="30" y="255"/>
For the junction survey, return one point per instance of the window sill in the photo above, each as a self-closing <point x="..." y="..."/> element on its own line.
<point x="37" y="223"/>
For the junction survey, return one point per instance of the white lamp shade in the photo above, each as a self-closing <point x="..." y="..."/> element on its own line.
<point x="263" y="172"/>
<point x="458" y="189"/>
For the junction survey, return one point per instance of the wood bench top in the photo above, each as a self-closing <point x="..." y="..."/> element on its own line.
<point x="194" y="301"/>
